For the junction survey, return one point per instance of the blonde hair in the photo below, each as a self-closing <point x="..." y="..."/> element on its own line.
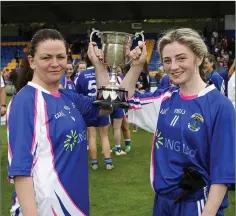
<point x="188" y="37"/>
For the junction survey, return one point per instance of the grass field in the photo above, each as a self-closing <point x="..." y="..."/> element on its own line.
<point x="124" y="191"/>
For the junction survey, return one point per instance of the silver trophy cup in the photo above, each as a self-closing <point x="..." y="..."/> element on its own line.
<point x="115" y="47"/>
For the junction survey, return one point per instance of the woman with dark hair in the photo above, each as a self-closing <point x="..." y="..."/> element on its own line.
<point x="66" y="81"/>
<point x="80" y="66"/>
<point x="211" y="76"/>
<point x="47" y="151"/>
<point x="47" y="133"/>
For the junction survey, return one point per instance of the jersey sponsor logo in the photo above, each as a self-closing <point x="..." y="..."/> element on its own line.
<point x="73" y="139"/>
<point x="59" y="114"/>
<point x="196" y="119"/>
<point x="159" y="139"/>
<point x="174" y="145"/>
<point x="174" y="120"/>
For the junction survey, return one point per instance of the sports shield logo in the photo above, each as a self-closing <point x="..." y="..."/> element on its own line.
<point x="196" y="119"/>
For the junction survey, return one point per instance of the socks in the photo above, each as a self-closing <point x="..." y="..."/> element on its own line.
<point x="118" y="148"/>
<point x="94" y="161"/>
<point x="108" y="161"/>
<point x="127" y="142"/>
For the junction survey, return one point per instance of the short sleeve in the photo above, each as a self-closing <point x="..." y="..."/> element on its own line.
<point x="84" y="104"/>
<point x="222" y="147"/>
<point x="20" y="132"/>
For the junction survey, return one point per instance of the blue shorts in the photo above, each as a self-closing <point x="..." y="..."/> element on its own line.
<point x="165" y="206"/>
<point x="118" y="113"/>
<point x="100" y="121"/>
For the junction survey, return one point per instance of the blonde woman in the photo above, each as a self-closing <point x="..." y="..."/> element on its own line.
<point x="194" y="131"/>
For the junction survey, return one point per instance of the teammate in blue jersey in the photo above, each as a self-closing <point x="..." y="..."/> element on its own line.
<point x="86" y="85"/>
<point x="192" y="160"/>
<point x="46" y="128"/>
<point x="80" y="66"/>
<point x="211" y="75"/>
<point x="65" y="81"/>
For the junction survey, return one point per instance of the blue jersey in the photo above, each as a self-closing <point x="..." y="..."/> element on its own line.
<point x="196" y="131"/>
<point x="67" y="84"/>
<point x="86" y="83"/>
<point x="47" y="141"/>
<point x="217" y="80"/>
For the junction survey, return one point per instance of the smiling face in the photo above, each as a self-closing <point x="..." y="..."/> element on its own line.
<point x="69" y="70"/>
<point x="49" y="62"/>
<point x="208" y="66"/>
<point x="179" y="62"/>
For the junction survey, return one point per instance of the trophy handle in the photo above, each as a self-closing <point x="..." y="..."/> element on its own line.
<point x="137" y="34"/>
<point x="98" y="33"/>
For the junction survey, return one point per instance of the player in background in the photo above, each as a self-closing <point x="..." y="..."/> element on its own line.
<point x="86" y="85"/>
<point x="80" y="66"/>
<point x="211" y="75"/>
<point x="66" y="81"/>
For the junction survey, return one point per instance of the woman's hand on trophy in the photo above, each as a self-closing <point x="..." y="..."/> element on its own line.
<point x="95" y="55"/>
<point x="139" y="54"/>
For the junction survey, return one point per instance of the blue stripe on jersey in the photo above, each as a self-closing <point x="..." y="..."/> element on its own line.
<point x="66" y="213"/>
<point x="17" y="212"/>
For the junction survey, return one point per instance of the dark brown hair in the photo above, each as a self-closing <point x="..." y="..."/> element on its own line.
<point x="26" y="73"/>
<point x="211" y="59"/>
